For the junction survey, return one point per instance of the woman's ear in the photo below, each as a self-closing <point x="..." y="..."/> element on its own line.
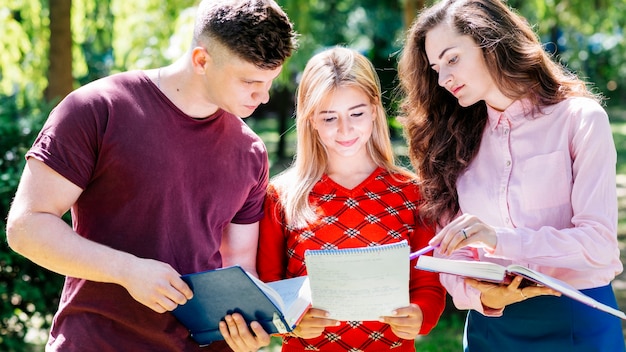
<point x="375" y="111"/>
<point x="311" y="123"/>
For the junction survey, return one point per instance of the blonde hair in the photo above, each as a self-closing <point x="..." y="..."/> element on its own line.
<point x="323" y="74"/>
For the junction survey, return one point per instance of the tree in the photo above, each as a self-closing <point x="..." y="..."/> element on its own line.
<point x="109" y="36"/>
<point x="37" y="56"/>
<point x="411" y="8"/>
<point x="60" y="81"/>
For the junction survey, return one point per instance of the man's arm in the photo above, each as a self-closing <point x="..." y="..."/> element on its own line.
<point x="36" y="230"/>
<point x="239" y="246"/>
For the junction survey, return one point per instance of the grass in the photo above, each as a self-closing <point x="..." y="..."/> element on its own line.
<point x="448" y="334"/>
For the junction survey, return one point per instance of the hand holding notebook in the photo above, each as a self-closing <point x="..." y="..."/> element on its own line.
<point x="277" y="306"/>
<point x="492" y="272"/>
<point x="359" y="284"/>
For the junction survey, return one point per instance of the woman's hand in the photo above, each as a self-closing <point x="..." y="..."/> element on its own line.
<point x="499" y="296"/>
<point x="313" y="324"/>
<point x="466" y="230"/>
<point x="406" y="322"/>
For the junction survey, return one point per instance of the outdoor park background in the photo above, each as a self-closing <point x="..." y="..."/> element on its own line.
<point x="48" y="48"/>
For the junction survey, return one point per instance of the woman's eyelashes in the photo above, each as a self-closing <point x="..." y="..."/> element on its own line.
<point x="334" y="118"/>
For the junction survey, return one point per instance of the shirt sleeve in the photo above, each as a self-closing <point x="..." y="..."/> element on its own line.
<point x="582" y="250"/>
<point x="68" y="142"/>
<point x="252" y="209"/>
<point x="425" y="290"/>
<point x="464" y="296"/>
<point x="590" y="243"/>
<point x="271" y="255"/>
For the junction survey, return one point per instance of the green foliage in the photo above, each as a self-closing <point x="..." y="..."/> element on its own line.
<point x="161" y="32"/>
<point x="28" y="293"/>
<point x="23" y="46"/>
<point x="618" y="125"/>
<point x="446" y="336"/>
<point x="116" y="35"/>
<point x="94" y="21"/>
<point x="588" y="37"/>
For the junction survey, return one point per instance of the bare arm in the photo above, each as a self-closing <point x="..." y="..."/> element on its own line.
<point x="239" y="246"/>
<point x="36" y="230"/>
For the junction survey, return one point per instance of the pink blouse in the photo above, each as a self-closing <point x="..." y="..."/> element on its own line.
<point x="546" y="182"/>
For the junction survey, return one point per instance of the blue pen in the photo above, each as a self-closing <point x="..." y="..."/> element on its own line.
<point x="421" y="251"/>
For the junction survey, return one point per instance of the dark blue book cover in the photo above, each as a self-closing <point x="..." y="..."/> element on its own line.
<point x="277" y="306"/>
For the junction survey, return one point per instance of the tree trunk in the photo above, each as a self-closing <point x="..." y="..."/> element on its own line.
<point x="60" y="81"/>
<point x="411" y="8"/>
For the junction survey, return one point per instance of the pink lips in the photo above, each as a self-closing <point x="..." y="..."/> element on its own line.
<point x="347" y="143"/>
<point x="457" y="89"/>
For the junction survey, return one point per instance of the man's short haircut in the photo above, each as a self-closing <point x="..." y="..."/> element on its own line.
<point x="257" y="31"/>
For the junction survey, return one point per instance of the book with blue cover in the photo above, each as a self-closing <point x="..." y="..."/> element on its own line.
<point x="278" y="306"/>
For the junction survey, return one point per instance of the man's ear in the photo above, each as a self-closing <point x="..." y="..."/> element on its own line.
<point x="200" y="58"/>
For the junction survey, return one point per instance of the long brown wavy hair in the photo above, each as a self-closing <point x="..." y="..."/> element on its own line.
<point x="444" y="137"/>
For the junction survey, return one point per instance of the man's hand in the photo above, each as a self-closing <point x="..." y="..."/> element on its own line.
<point x="239" y="338"/>
<point x="156" y="285"/>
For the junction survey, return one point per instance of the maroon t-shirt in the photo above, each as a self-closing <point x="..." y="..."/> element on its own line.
<point x="156" y="183"/>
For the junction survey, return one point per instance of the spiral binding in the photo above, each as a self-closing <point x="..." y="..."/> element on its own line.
<point x="357" y="250"/>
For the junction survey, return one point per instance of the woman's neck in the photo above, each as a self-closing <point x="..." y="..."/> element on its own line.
<point x="350" y="173"/>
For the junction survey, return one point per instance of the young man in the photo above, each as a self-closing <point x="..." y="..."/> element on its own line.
<point x="162" y="177"/>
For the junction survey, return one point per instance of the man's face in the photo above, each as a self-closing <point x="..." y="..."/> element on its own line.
<point x="238" y="86"/>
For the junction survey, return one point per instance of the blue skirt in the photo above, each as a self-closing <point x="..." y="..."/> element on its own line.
<point x="548" y="324"/>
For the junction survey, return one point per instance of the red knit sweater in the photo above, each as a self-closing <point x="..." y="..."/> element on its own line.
<point x="378" y="211"/>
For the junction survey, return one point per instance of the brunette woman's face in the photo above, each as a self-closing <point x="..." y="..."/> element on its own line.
<point x="461" y="67"/>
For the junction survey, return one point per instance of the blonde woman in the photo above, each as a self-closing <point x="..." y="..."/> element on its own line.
<point x="343" y="176"/>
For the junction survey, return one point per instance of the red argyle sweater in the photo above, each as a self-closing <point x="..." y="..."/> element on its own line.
<point x="378" y="211"/>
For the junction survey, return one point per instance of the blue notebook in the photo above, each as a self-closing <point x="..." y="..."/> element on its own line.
<point x="277" y="306"/>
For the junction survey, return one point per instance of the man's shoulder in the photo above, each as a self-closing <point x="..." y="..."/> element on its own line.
<point x="114" y="84"/>
<point x="240" y="126"/>
<point x="102" y="92"/>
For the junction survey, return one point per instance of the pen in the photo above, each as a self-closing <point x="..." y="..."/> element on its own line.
<point x="421" y="251"/>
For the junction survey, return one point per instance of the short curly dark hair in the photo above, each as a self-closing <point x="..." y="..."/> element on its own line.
<point x="257" y="31"/>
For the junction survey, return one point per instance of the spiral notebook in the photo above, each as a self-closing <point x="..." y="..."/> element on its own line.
<point x="359" y="284"/>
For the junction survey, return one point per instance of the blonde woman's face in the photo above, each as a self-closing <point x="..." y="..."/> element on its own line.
<point x="344" y="122"/>
<point x="461" y="67"/>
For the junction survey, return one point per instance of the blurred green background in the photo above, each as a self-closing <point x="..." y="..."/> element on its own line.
<point x="48" y="48"/>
